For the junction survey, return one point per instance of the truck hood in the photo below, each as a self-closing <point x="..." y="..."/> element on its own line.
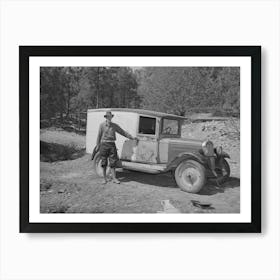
<point x="176" y="146"/>
<point x="183" y="142"/>
<point x="170" y="148"/>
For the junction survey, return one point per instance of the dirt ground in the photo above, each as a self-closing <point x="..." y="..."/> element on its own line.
<point x="72" y="186"/>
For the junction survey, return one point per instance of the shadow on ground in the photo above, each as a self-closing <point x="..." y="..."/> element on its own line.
<point x="160" y="180"/>
<point x="166" y="180"/>
<point x="212" y="188"/>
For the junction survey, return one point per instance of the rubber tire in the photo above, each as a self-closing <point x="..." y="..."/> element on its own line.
<point x="97" y="166"/>
<point x="200" y="171"/>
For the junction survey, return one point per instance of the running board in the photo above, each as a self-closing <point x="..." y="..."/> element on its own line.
<point x="144" y="167"/>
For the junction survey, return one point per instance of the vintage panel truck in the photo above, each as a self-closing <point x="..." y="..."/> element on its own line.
<point x="160" y="147"/>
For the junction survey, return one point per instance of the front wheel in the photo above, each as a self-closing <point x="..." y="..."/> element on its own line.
<point x="190" y="176"/>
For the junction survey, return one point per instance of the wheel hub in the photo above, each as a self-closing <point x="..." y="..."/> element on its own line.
<point x="190" y="176"/>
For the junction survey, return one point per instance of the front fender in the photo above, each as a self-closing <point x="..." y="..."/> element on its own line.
<point x="225" y="155"/>
<point x="186" y="156"/>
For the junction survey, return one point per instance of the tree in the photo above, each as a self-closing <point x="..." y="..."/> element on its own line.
<point x="52" y="98"/>
<point x="180" y="90"/>
<point x="58" y="85"/>
<point x="108" y="87"/>
<point x="169" y="89"/>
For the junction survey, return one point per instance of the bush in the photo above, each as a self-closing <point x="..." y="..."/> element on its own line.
<point x="51" y="152"/>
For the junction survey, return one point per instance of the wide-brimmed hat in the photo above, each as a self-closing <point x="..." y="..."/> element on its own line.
<point x="108" y="114"/>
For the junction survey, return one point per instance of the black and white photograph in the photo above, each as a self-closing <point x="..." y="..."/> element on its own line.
<point x="139" y="139"/>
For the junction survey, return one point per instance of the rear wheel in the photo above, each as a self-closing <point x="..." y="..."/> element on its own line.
<point x="190" y="176"/>
<point x="97" y="166"/>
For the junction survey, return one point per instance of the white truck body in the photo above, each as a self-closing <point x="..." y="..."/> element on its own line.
<point x="126" y="120"/>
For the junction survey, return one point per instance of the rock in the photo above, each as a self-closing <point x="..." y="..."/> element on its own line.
<point x="62" y="191"/>
<point x="45" y="186"/>
<point x="201" y="204"/>
<point x="168" y="207"/>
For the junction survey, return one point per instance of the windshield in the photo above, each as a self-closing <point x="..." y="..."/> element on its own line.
<point x="170" y="127"/>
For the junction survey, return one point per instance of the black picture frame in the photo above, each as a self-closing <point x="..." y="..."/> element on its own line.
<point x="25" y="52"/>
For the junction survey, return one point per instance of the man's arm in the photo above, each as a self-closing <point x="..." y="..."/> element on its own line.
<point x="124" y="133"/>
<point x="99" y="136"/>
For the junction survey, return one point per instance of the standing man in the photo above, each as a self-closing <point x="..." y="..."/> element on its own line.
<point x="106" y="140"/>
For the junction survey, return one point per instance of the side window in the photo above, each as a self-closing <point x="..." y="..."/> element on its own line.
<point x="147" y="125"/>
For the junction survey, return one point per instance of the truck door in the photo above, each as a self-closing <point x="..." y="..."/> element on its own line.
<point x="146" y="150"/>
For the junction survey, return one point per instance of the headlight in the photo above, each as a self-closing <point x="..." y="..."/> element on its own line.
<point x="208" y="148"/>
